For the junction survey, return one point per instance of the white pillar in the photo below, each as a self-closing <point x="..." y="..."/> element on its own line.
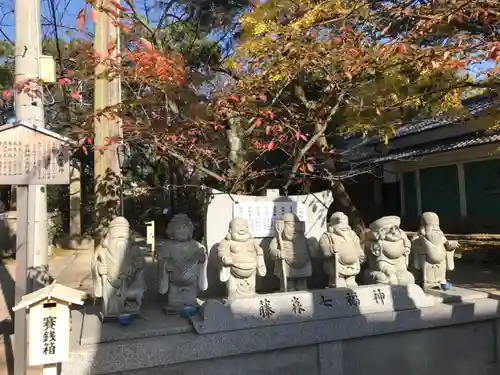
<point x="462" y="190"/>
<point x="75" y="200"/>
<point x="419" y="192"/>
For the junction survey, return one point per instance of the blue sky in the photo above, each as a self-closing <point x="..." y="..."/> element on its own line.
<point x="67" y="11"/>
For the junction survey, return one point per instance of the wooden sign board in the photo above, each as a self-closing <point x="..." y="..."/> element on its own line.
<point x="33" y="156"/>
<point x="49" y="328"/>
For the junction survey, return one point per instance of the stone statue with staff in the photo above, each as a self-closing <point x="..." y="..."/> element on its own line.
<point x="291" y="253"/>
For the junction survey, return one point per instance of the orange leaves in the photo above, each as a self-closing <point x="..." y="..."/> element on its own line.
<point x="299" y="136"/>
<point x="80" y="19"/>
<point x="494" y="52"/>
<point x="150" y="65"/>
<point x="271" y="145"/>
<point x="92" y="14"/>
<point x="306" y="167"/>
<point x="75" y="95"/>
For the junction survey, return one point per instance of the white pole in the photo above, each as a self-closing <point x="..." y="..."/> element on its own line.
<point x="32" y="242"/>
<point x="50" y="369"/>
<point x="30" y="108"/>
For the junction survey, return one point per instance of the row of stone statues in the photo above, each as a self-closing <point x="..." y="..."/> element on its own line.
<point x="118" y="264"/>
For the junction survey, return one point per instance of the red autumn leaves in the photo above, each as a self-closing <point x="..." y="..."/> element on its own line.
<point x="152" y="66"/>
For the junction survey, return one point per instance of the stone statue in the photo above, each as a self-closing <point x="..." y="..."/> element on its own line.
<point x="291" y="253"/>
<point x="118" y="271"/>
<point x="242" y="258"/>
<point x="342" y="250"/>
<point x="432" y="253"/>
<point x="388" y="249"/>
<point x="182" y="265"/>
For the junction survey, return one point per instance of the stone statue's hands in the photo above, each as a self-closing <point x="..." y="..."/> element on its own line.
<point x="279" y="254"/>
<point x="389" y="272"/>
<point x="452" y="245"/>
<point x="102" y="269"/>
<point x="227" y="261"/>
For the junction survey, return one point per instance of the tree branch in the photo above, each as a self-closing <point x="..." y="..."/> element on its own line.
<point x="193" y="164"/>
<point x="312" y="141"/>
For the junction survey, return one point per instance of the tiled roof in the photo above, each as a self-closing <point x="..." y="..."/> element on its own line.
<point x="437" y="148"/>
<point x="475" y="105"/>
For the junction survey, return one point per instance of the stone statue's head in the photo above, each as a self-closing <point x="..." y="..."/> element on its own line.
<point x="429" y="220"/>
<point x="180" y="228"/>
<point x="338" y="222"/>
<point x="118" y="236"/>
<point x="239" y="230"/>
<point x="293" y="227"/>
<point x="429" y="226"/>
<point x="387" y="228"/>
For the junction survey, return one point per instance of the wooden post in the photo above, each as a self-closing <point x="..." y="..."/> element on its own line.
<point x="20" y="326"/>
<point x="107" y="173"/>
<point x="50" y="369"/>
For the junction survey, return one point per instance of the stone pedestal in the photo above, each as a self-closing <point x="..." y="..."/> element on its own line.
<point x="456" y="294"/>
<point x="294" y="307"/>
<point x="398" y="340"/>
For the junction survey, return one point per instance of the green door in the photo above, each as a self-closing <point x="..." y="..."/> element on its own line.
<point x="482" y="188"/>
<point x="410" y="194"/>
<point x="440" y="192"/>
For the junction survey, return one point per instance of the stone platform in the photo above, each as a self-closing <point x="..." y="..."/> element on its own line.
<point x="436" y="335"/>
<point x="293" y="307"/>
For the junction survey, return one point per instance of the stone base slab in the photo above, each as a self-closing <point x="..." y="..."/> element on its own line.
<point x="434" y="333"/>
<point x="457" y="294"/>
<point x="293" y="307"/>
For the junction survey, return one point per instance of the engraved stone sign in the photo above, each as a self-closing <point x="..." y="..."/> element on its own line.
<point x="261" y="215"/>
<point x="33" y="156"/>
<point x="293" y="307"/>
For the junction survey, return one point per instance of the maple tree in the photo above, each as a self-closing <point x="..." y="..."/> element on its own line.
<point x="309" y="72"/>
<point x="302" y="75"/>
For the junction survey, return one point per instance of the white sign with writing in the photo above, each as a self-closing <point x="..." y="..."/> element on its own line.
<point x="30" y="157"/>
<point x="260" y="215"/>
<point x="49" y="326"/>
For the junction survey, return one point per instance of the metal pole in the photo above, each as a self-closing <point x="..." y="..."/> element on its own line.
<point x="32" y="242"/>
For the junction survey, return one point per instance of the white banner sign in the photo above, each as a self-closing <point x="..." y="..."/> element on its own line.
<point x="260" y="215"/>
<point x="49" y="327"/>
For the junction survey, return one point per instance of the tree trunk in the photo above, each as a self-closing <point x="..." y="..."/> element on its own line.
<point x="342" y="201"/>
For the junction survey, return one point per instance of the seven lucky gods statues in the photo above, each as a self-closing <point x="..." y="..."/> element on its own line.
<point x="118" y="263"/>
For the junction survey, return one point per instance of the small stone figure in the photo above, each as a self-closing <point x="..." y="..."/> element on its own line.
<point x="432" y="253"/>
<point x="182" y="265"/>
<point x="291" y="253"/>
<point x="342" y="250"/>
<point x="118" y="271"/>
<point x="388" y="249"/>
<point x="242" y="258"/>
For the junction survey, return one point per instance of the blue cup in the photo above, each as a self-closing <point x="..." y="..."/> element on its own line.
<point x="125" y="319"/>
<point x="188" y="311"/>
<point x="446" y="286"/>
